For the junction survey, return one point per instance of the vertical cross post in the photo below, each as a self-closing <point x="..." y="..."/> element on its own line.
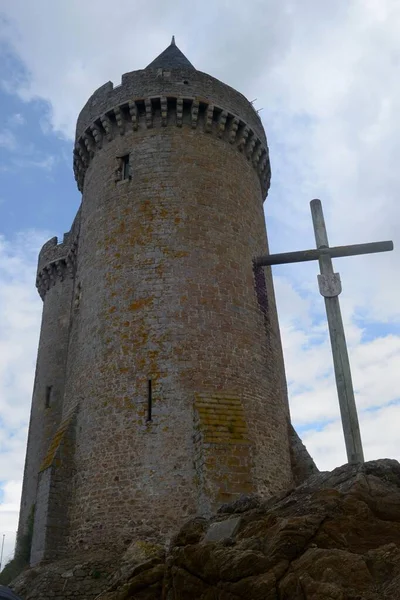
<point x="330" y="288"/>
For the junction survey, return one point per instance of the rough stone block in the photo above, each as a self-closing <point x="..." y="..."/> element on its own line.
<point x="218" y="532"/>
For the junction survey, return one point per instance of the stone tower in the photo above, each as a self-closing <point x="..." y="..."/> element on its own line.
<point x="159" y="389"/>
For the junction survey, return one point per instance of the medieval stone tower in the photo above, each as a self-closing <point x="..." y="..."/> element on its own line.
<point x="159" y="389"/>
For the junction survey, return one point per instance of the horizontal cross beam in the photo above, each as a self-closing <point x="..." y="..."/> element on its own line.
<point x="315" y="254"/>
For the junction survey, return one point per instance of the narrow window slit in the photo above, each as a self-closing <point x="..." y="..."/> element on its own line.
<point x="125" y="167"/>
<point x="49" y="389"/>
<point x="149" y="401"/>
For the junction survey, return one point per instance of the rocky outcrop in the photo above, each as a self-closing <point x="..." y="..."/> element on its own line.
<point x="336" y="537"/>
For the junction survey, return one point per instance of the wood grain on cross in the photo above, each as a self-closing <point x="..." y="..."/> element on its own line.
<point x="330" y="287"/>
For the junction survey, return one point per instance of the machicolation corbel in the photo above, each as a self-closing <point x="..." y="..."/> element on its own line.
<point x="142" y="113"/>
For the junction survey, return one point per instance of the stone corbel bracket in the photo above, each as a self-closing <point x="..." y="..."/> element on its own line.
<point x="57" y="270"/>
<point x="140" y="114"/>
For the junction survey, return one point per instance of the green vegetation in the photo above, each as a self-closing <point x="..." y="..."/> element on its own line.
<point x="22" y="554"/>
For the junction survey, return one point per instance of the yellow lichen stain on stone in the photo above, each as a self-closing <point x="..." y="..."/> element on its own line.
<point x="48" y="460"/>
<point x="141" y="303"/>
<point x="222" y="419"/>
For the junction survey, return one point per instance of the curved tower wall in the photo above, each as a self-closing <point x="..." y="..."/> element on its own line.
<point x="55" y="286"/>
<point x="168" y="294"/>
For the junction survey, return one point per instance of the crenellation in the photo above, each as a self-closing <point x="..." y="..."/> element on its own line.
<point x="57" y="261"/>
<point x="199" y="85"/>
<point x="215" y="121"/>
<point x="48" y="276"/>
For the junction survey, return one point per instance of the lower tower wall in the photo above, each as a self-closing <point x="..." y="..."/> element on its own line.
<point x="168" y="294"/>
<point x="48" y="390"/>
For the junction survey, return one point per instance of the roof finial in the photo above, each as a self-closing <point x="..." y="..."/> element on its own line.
<point x="173" y="41"/>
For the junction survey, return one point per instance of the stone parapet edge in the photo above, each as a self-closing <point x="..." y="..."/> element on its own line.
<point x="58" y="261"/>
<point x="162" y="111"/>
<point x="60" y="268"/>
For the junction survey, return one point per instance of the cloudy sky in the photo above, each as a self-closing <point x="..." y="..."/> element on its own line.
<point x="326" y="76"/>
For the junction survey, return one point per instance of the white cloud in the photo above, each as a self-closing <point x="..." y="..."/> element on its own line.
<point x="328" y="444"/>
<point x="22" y="154"/>
<point x="20" y="307"/>
<point x="312" y="391"/>
<point x="16" y="120"/>
<point x="7" y="140"/>
<point x="37" y="161"/>
<point x="9" y="509"/>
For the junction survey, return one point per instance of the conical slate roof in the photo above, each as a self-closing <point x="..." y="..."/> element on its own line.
<point x="171" y="58"/>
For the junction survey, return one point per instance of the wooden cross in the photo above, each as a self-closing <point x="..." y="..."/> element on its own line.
<point x="330" y="287"/>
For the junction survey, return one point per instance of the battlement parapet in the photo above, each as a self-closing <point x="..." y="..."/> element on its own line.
<point x="181" y="82"/>
<point x="162" y="111"/>
<point x="57" y="260"/>
<point x="154" y="98"/>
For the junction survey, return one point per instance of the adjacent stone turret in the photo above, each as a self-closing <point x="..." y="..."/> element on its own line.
<point x="160" y="340"/>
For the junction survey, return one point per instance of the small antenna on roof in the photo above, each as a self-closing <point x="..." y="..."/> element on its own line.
<point x="173" y="41"/>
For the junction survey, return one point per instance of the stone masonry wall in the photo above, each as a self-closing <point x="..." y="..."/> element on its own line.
<point x="54" y="495"/>
<point x="223" y="458"/>
<point x="160" y="295"/>
<point x="50" y="371"/>
<point x="177" y="83"/>
<point x="154" y="98"/>
<point x="303" y="465"/>
<point x="168" y="294"/>
<point x="55" y="285"/>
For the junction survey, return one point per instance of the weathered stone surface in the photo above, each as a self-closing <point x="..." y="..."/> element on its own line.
<point x="79" y="576"/>
<point x="222" y="530"/>
<point x="191" y="532"/>
<point x="336" y="537"/>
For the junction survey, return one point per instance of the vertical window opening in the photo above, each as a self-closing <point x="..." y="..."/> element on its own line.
<point x="49" y="389"/>
<point x="126" y="172"/>
<point x="149" y="401"/>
